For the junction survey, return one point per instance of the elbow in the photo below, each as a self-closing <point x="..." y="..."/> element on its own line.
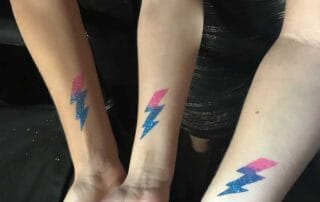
<point x="163" y="7"/>
<point x="305" y="38"/>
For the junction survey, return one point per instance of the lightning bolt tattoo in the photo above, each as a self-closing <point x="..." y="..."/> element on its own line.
<point x="78" y="96"/>
<point x="249" y="176"/>
<point x="154" y="109"/>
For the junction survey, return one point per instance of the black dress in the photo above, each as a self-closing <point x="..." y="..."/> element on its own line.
<point x="236" y="36"/>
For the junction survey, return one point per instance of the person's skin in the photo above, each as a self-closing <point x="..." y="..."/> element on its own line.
<point x="169" y="36"/>
<point x="55" y="37"/>
<point x="199" y="145"/>
<point x="280" y="118"/>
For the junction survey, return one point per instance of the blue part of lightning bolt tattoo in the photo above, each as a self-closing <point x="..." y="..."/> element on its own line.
<point x="81" y="110"/>
<point x="154" y="110"/>
<point x="150" y="123"/>
<point x="78" y="96"/>
<point x="249" y="176"/>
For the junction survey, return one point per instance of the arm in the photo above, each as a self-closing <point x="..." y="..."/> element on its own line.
<point x="55" y="37"/>
<point x="278" y="131"/>
<point x="169" y="37"/>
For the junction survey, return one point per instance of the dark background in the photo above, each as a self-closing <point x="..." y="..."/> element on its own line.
<point x="35" y="164"/>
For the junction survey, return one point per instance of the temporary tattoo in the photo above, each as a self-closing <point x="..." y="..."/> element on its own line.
<point x="250" y="175"/>
<point x="154" y="109"/>
<point x="78" y="95"/>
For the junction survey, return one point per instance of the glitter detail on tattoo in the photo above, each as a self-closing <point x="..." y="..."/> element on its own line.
<point x="249" y="175"/>
<point x="154" y="109"/>
<point x="78" y="95"/>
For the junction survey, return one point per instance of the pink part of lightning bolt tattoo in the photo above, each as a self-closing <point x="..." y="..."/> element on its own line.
<point x="262" y="164"/>
<point x="156" y="98"/>
<point x="77" y="84"/>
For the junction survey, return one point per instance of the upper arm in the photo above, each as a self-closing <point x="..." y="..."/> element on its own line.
<point x="302" y="21"/>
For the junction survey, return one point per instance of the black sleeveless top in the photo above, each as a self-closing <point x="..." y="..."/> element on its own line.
<point x="236" y="36"/>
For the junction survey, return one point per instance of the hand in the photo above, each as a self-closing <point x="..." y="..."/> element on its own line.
<point x="92" y="186"/>
<point x="136" y="194"/>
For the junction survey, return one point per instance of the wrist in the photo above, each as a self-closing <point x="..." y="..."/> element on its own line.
<point x="149" y="177"/>
<point x="103" y="174"/>
<point x="96" y="150"/>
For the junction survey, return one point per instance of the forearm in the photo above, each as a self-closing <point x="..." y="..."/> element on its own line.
<point x="169" y="37"/>
<point x="279" y="122"/>
<point x="55" y="37"/>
